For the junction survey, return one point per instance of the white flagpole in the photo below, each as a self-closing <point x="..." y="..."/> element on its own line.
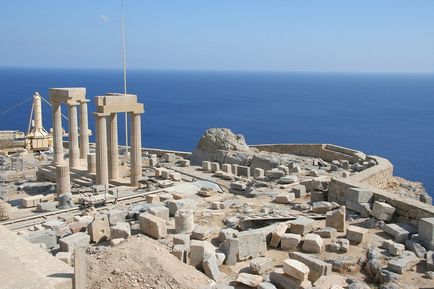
<point x="124" y="58"/>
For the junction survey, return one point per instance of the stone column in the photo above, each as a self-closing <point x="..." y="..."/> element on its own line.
<point x="91" y="163"/>
<point x="84" y="130"/>
<point x="57" y="134"/>
<point x="113" y="148"/>
<point x="136" y="149"/>
<point x="74" y="153"/>
<point x="80" y="268"/>
<point x="101" y="149"/>
<point x="63" y="179"/>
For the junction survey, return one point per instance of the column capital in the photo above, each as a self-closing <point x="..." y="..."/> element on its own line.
<point x="101" y="114"/>
<point x="83" y="101"/>
<point x="72" y="103"/>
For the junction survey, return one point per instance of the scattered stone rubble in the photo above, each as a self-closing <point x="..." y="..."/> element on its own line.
<point x="269" y="222"/>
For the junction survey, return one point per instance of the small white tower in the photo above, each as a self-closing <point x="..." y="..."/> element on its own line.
<point x="38" y="139"/>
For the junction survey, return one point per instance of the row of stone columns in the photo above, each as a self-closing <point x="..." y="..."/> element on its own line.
<point x="75" y="153"/>
<point x="107" y="149"/>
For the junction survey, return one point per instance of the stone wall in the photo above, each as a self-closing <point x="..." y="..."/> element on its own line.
<point x="408" y="210"/>
<point x="327" y="152"/>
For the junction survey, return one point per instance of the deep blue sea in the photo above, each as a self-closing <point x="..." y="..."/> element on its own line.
<point x="390" y="115"/>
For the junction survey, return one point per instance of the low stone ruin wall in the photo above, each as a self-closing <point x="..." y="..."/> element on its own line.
<point x="327" y="152"/>
<point x="408" y="210"/>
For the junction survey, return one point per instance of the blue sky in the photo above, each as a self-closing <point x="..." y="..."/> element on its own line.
<point x="292" y="35"/>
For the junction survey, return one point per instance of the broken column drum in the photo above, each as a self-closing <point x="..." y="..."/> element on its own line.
<point x="184" y="222"/>
<point x="63" y="180"/>
<point x="5" y="210"/>
<point x="107" y="149"/>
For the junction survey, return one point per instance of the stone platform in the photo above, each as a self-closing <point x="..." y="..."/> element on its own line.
<point x="26" y="265"/>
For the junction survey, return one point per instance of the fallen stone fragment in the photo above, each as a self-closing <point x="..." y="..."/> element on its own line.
<point x="120" y="230"/>
<point x="47" y="237"/>
<point x="218" y="205"/>
<point x="416" y="248"/>
<point x="260" y="265"/>
<point x="249" y="279"/>
<point x="317" y="267"/>
<point x="318" y="196"/>
<point x="284" y="198"/>
<point x="299" y="191"/>
<point x="184" y="222"/>
<point x="99" y="229"/>
<point x="181" y="251"/>
<point x="284" y="281"/>
<point x="227" y="233"/>
<point x="356" y="234"/>
<point x="266" y="285"/>
<point x="313" y="243"/>
<point x="336" y="219"/>
<point x="240" y="186"/>
<point x="426" y="232"/>
<point x="252" y="244"/>
<point x="403" y="263"/>
<point x="277" y="235"/>
<point x="401" y="232"/>
<point x="326" y="232"/>
<point x="382" y="211"/>
<point x="395" y="249"/>
<point x="288" y="179"/>
<point x="201" y="232"/>
<point x="198" y="251"/>
<point x="321" y="207"/>
<point x="344" y="264"/>
<point x="302" y="226"/>
<point x="295" y="269"/>
<point x="339" y="245"/>
<point x="160" y="212"/>
<point x="289" y="242"/>
<point x="181" y="239"/>
<point x="152" y="226"/>
<point x="69" y="243"/>
<point x="230" y="248"/>
<point x="210" y="266"/>
<point x="430" y="260"/>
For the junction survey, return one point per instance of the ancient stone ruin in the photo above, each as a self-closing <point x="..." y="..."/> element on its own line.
<point x="227" y="215"/>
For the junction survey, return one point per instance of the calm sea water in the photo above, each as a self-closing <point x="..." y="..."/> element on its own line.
<point x="380" y="114"/>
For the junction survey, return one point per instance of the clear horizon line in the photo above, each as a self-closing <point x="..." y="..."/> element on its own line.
<point x="224" y="70"/>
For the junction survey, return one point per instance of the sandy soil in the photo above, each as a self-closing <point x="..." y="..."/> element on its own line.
<point x="141" y="262"/>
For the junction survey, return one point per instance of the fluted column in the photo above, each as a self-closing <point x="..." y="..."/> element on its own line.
<point x="136" y="149"/>
<point x="57" y="134"/>
<point x="74" y="153"/>
<point x="84" y="129"/>
<point x="101" y="149"/>
<point x="63" y="179"/>
<point x="113" y="149"/>
<point x="91" y="163"/>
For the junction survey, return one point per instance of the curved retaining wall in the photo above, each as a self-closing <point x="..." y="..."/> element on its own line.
<point x="407" y="209"/>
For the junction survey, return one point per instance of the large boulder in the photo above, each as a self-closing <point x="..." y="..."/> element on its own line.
<point x="216" y="143"/>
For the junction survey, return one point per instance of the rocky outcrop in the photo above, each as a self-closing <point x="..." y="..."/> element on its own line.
<point x="222" y="145"/>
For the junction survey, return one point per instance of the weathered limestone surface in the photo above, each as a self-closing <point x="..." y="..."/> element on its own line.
<point x="260" y="265"/>
<point x="382" y="211"/>
<point x="99" y="229"/>
<point x="302" y="226"/>
<point x="426" y="232"/>
<point x="251" y="245"/>
<point x="36" y="267"/>
<point x="400" y="232"/>
<point x="336" y="219"/>
<point x="295" y="269"/>
<point x="69" y="243"/>
<point x="152" y="225"/>
<point x="317" y="267"/>
<point x="356" y="234"/>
